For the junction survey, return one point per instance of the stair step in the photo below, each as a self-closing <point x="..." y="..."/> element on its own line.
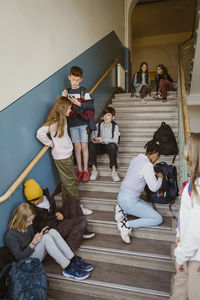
<point x="103" y="222"/>
<point x="61" y="295"/>
<point x="143" y="128"/>
<point x="112" y="281"/>
<point x="125" y="122"/>
<point x="106" y="201"/>
<point x="125" y="158"/>
<point x="151" y="102"/>
<point x="140" y="254"/>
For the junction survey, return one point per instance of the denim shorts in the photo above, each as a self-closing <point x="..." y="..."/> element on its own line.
<point x="79" y="134"/>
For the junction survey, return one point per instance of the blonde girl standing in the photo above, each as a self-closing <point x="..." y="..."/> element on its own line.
<point x="187" y="252"/>
<point x="54" y="133"/>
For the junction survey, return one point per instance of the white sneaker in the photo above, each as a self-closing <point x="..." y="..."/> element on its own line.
<point x="115" y="176"/>
<point x="86" y="211"/>
<point x="119" y="215"/>
<point x="142" y="100"/>
<point x="124" y="232"/>
<point x="94" y="175"/>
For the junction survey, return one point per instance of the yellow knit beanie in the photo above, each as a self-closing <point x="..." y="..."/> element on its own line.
<point x="32" y="190"/>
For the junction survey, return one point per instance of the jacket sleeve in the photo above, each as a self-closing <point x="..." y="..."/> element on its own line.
<point x="190" y="238"/>
<point x="150" y="178"/>
<point x="43" y="137"/>
<point x="94" y="132"/>
<point x="135" y="81"/>
<point x="169" y="78"/>
<point x="13" y="243"/>
<point x="87" y="105"/>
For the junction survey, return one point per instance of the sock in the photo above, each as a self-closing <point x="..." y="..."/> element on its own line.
<point x="73" y="259"/>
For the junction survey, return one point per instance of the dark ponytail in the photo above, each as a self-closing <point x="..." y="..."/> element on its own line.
<point x="152" y="147"/>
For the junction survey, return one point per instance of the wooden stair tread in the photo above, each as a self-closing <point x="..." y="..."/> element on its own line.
<point x="114" y="243"/>
<point x="108" y="217"/>
<point x="119" y="276"/>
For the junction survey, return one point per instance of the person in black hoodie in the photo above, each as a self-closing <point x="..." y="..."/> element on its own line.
<point x="68" y="220"/>
<point x="164" y="82"/>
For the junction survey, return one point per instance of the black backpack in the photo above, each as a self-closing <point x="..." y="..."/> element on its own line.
<point x="167" y="141"/>
<point x="26" y="280"/>
<point x="168" y="191"/>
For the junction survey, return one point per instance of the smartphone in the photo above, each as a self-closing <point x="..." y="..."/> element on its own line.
<point x="45" y="230"/>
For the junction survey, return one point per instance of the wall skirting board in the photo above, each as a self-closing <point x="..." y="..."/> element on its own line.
<point x="20" y="120"/>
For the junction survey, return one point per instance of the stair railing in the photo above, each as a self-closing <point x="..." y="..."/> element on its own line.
<point x="30" y="166"/>
<point x="184" y="125"/>
<point x="187" y="49"/>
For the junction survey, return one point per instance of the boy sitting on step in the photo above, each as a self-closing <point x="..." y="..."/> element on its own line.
<point x="68" y="220"/>
<point x="105" y="139"/>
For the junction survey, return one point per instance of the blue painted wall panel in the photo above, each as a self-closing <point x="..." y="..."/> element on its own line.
<point x="20" y="121"/>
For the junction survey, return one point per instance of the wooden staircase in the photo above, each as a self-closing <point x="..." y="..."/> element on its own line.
<point x="140" y="270"/>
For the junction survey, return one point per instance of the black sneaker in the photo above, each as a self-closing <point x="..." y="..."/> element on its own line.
<point x="88" y="235"/>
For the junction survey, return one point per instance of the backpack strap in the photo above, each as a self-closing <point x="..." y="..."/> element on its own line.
<point x="6" y="268"/>
<point x="99" y="128"/>
<point x="82" y="92"/>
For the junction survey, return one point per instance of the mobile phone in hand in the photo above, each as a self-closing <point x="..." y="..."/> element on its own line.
<point x="46" y="229"/>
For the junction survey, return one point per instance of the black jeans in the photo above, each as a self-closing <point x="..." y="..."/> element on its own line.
<point x="99" y="149"/>
<point x="145" y="90"/>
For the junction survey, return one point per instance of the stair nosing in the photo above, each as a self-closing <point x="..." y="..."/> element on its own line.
<point x="112" y="285"/>
<point x="118" y="251"/>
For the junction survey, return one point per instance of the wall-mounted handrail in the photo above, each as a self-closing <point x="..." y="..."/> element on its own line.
<point x="186" y="123"/>
<point x="19" y="180"/>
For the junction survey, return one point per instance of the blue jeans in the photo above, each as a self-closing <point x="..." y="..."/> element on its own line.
<point x="134" y="206"/>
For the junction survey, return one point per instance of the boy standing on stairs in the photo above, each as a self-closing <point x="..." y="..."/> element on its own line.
<point x="105" y="140"/>
<point x="80" y="116"/>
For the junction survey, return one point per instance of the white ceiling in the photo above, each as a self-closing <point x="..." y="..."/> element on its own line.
<point x="158" y="17"/>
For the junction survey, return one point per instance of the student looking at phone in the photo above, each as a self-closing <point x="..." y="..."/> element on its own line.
<point x="68" y="219"/>
<point x="79" y="118"/>
<point x="105" y="139"/>
<point x="23" y="243"/>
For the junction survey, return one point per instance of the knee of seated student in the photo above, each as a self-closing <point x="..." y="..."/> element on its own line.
<point x="83" y="222"/>
<point x="162" y="81"/>
<point x="159" y="219"/>
<point x="112" y="145"/>
<point x="53" y="232"/>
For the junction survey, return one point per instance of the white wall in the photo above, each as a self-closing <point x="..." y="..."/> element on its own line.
<point x="194" y="116"/>
<point x="38" y="37"/>
<point x="161" y="49"/>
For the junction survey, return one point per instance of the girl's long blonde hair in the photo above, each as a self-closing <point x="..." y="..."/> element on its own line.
<point x="20" y="215"/>
<point x="192" y="157"/>
<point x="57" y="115"/>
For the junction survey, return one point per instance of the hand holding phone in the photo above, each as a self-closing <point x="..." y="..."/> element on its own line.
<point x="45" y="230"/>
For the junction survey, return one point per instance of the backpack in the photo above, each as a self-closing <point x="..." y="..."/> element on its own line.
<point x="26" y="280"/>
<point x="113" y="129"/>
<point x="168" y="192"/>
<point x="167" y="141"/>
<point x="5" y="258"/>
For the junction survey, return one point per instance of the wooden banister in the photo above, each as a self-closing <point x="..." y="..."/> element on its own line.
<point x="19" y="180"/>
<point x="186" y="123"/>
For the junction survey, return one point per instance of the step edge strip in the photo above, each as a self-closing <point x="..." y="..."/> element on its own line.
<point x="114" y="286"/>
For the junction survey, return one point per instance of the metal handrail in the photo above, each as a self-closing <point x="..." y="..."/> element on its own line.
<point x="19" y="180"/>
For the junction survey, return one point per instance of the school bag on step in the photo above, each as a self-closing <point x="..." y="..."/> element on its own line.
<point x="168" y="192"/>
<point x="167" y="141"/>
<point x="26" y="280"/>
